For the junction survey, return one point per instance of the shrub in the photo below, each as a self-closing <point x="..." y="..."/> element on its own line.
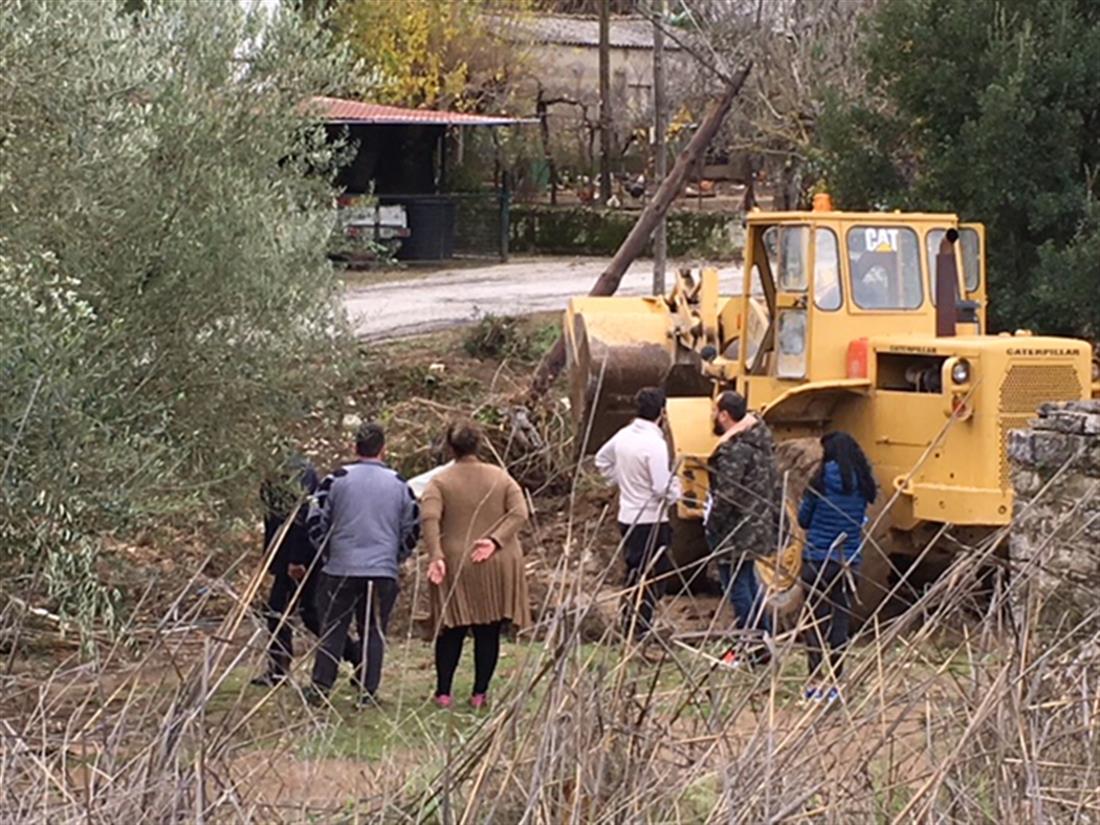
<point x="502" y="336"/>
<point x="166" y="307"/>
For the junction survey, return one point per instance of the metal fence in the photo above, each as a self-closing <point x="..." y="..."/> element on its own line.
<point x="454" y="225"/>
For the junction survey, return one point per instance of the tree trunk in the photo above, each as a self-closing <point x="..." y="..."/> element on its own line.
<point x="749" y="201"/>
<point x="635" y="242"/>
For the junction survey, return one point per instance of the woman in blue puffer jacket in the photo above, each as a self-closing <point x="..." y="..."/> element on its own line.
<point x="833" y="511"/>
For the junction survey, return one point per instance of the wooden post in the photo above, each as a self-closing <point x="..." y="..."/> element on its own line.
<point x="542" y="112"/>
<point x="605" y="101"/>
<point x="635" y="242"/>
<point x="441" y="185"/>
<point x="660" y="128"/>
<point x="505" y="216"/>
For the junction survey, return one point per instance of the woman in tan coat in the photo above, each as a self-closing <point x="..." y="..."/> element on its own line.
<point x="471" y="515"/>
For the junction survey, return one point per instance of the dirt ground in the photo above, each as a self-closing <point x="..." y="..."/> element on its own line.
<point x="385" y="305"/>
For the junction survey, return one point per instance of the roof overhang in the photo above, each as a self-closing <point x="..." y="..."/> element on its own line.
<point x="756" y="216"/>
<point x="340" y="111"/>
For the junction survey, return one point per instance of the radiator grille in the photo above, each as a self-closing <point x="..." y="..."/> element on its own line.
<point x="1025" y="387"/>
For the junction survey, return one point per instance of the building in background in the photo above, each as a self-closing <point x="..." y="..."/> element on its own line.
<point x="562" y="55"/>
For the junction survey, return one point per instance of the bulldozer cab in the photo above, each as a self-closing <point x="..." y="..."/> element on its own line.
<point x="816" y="283"/>
<point x="824" y="295"/>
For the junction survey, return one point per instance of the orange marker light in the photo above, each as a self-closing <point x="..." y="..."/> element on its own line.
<point x="857" y="358"/>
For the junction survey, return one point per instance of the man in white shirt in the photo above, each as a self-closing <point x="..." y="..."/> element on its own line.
<point x="636" y="460"/>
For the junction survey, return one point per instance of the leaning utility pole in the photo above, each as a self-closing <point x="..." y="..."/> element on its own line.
<point x="660" y="129"/>
<point x="605" y="101"/>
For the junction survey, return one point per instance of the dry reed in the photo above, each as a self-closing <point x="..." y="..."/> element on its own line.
<point x="948" y="716"/>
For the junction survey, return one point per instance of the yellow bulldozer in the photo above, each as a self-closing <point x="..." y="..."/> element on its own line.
<point x="871" y="323"/>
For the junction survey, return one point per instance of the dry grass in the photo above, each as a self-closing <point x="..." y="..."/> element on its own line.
<point x="944" y="719"/>
<point x="948" y="715"/>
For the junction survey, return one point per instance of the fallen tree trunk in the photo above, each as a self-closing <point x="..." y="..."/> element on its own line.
<point x="634" y="244"/>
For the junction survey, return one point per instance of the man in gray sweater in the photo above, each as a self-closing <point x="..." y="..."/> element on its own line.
<point x="365" y="520"/>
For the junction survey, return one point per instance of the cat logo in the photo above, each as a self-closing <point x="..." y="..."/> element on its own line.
<point x="881" y="239"/>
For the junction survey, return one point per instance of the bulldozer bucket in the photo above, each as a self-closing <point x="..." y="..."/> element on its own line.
<point x="614" y="347"/>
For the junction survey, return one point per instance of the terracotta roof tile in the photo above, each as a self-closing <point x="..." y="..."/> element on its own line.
<point x="338" y="110"/>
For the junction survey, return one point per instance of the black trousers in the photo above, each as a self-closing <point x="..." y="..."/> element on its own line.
<point x="284" y="599"/>
<point x="369" y="600"/>
<point x="645" y="578"/>
<point x="829" y="597"/>
<point x="448" y="652"/>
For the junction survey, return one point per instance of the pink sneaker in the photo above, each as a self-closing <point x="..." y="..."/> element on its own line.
<point x="444" y="700"/>
<point x="731" y="659"/>
<point x="479" y="701"/>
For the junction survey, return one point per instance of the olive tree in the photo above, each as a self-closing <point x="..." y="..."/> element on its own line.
<point x="166" y="307"/>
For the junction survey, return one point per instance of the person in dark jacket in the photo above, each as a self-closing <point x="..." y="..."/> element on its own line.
<point x="743" y="508"/>
<point x="292" y="566"/>
<point x="833" y="511"/>
<point x="366" y="521"/>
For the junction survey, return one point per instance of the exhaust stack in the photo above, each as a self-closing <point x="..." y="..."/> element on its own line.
<point x="947" y="286"/>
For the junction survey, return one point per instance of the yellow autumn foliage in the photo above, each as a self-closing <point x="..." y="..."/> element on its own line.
<point x="434" y="53"/>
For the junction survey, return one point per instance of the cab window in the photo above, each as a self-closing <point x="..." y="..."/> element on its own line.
<point x="788" y="252"/>
<point x="826" y="270"/>
<point x="885" y="267"/>
<point x="756" y="286"/>
<point x="971" y="254"/>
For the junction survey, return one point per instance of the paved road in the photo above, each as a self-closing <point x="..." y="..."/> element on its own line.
<point x="449" y="297"/>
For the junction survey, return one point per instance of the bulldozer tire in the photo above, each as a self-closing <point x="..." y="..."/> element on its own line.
<point x="798" y="459"/>
<point x="895" y="573"/>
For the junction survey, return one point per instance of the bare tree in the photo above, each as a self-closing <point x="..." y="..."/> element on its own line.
<point x="801" y="48"/>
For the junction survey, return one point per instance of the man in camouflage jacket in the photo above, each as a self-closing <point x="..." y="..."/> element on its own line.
<point x="743" y="510"/>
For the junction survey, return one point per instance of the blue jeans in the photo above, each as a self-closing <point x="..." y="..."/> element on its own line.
<point x="830" y="598"/>
<point x="641" y="543"/>
<point x="740" y="586"/>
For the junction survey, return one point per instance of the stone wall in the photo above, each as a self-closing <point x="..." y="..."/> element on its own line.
<point x="1056" y="529"/>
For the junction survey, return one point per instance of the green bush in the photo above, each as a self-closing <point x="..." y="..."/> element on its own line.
<point x="582" y="230"/>
<point x="499" y="337"/>
<point x="166" y="307"/>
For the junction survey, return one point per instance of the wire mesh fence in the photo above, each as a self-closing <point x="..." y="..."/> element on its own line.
<point x="454" y="225"/>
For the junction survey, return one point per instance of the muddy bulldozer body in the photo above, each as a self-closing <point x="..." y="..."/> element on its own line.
<point x="871" y="323"/>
